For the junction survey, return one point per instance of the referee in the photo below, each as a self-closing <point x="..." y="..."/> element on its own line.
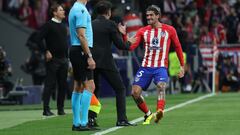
<point x="83" y="64"/>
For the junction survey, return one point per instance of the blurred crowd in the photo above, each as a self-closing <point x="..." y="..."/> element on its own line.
<point x="208" y="22"/>
<point x="196" y="21"/>
<point x="5" y="72"/>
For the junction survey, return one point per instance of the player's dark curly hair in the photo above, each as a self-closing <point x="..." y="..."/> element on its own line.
<point x="155" y="9"/>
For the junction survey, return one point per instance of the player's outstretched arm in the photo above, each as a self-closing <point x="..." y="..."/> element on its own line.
<point x="135" y="41"/>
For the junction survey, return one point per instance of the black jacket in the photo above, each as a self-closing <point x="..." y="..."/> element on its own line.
<point x="55" y="35"/>
<point x="105" y="33"/>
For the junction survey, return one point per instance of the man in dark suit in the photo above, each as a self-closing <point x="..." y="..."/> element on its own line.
<point x="106" y="32"/>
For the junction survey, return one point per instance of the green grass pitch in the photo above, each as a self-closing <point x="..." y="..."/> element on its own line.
<point x="217" y="115"/>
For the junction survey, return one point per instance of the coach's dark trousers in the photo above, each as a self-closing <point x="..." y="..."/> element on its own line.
<point x="56" y="74"/>
<point x="115" y="80"/>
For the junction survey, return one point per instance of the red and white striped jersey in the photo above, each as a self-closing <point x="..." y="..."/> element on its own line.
<point x="157" y="42"/>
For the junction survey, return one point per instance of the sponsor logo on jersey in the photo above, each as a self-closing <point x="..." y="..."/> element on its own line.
<point x="155" y="44"/>
<point x="155" y="41"/>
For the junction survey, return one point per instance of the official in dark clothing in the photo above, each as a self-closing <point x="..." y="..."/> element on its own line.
<point x="106" y="33"/>
<point x="55" y="34"/>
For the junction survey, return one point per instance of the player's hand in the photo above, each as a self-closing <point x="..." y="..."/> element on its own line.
<point x="122" y="28"/>
<point x="48" y="56"/>
<point x="132" y="39"/>
<point x="91" y="63"/>
<point x="181" y="72"/>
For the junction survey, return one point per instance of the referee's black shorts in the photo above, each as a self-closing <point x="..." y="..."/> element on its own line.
<point x="79" y="64"/>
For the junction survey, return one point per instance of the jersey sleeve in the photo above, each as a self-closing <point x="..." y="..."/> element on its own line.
<point x="177" y="45"/>
<point x="138" y="37"/>
<point x="81" y="19"/>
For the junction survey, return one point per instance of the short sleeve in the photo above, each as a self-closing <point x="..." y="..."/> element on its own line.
<point x="81" y="19"/>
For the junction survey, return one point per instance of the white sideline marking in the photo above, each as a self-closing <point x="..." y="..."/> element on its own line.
<point x="166" y="110"/>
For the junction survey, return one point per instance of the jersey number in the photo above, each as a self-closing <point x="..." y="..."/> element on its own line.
<point x="140" y="73"/>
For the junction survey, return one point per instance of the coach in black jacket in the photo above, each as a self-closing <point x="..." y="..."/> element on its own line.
<point x="55" y="34"/>
<point x="106" y="33"/>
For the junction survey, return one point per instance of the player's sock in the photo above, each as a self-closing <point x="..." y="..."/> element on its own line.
<point x="86" y="99"/>
<point x="76" y="107"/>
<point x="148" y="113"/>
<point x="161" y="104"/>
<point x="141" y="104"/>
<point x="160" y="108"/>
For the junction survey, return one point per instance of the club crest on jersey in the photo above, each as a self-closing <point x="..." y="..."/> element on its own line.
<point x="82" y="11"/>
<point x="155" y="41"/>
<point x="163" y="34"/>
